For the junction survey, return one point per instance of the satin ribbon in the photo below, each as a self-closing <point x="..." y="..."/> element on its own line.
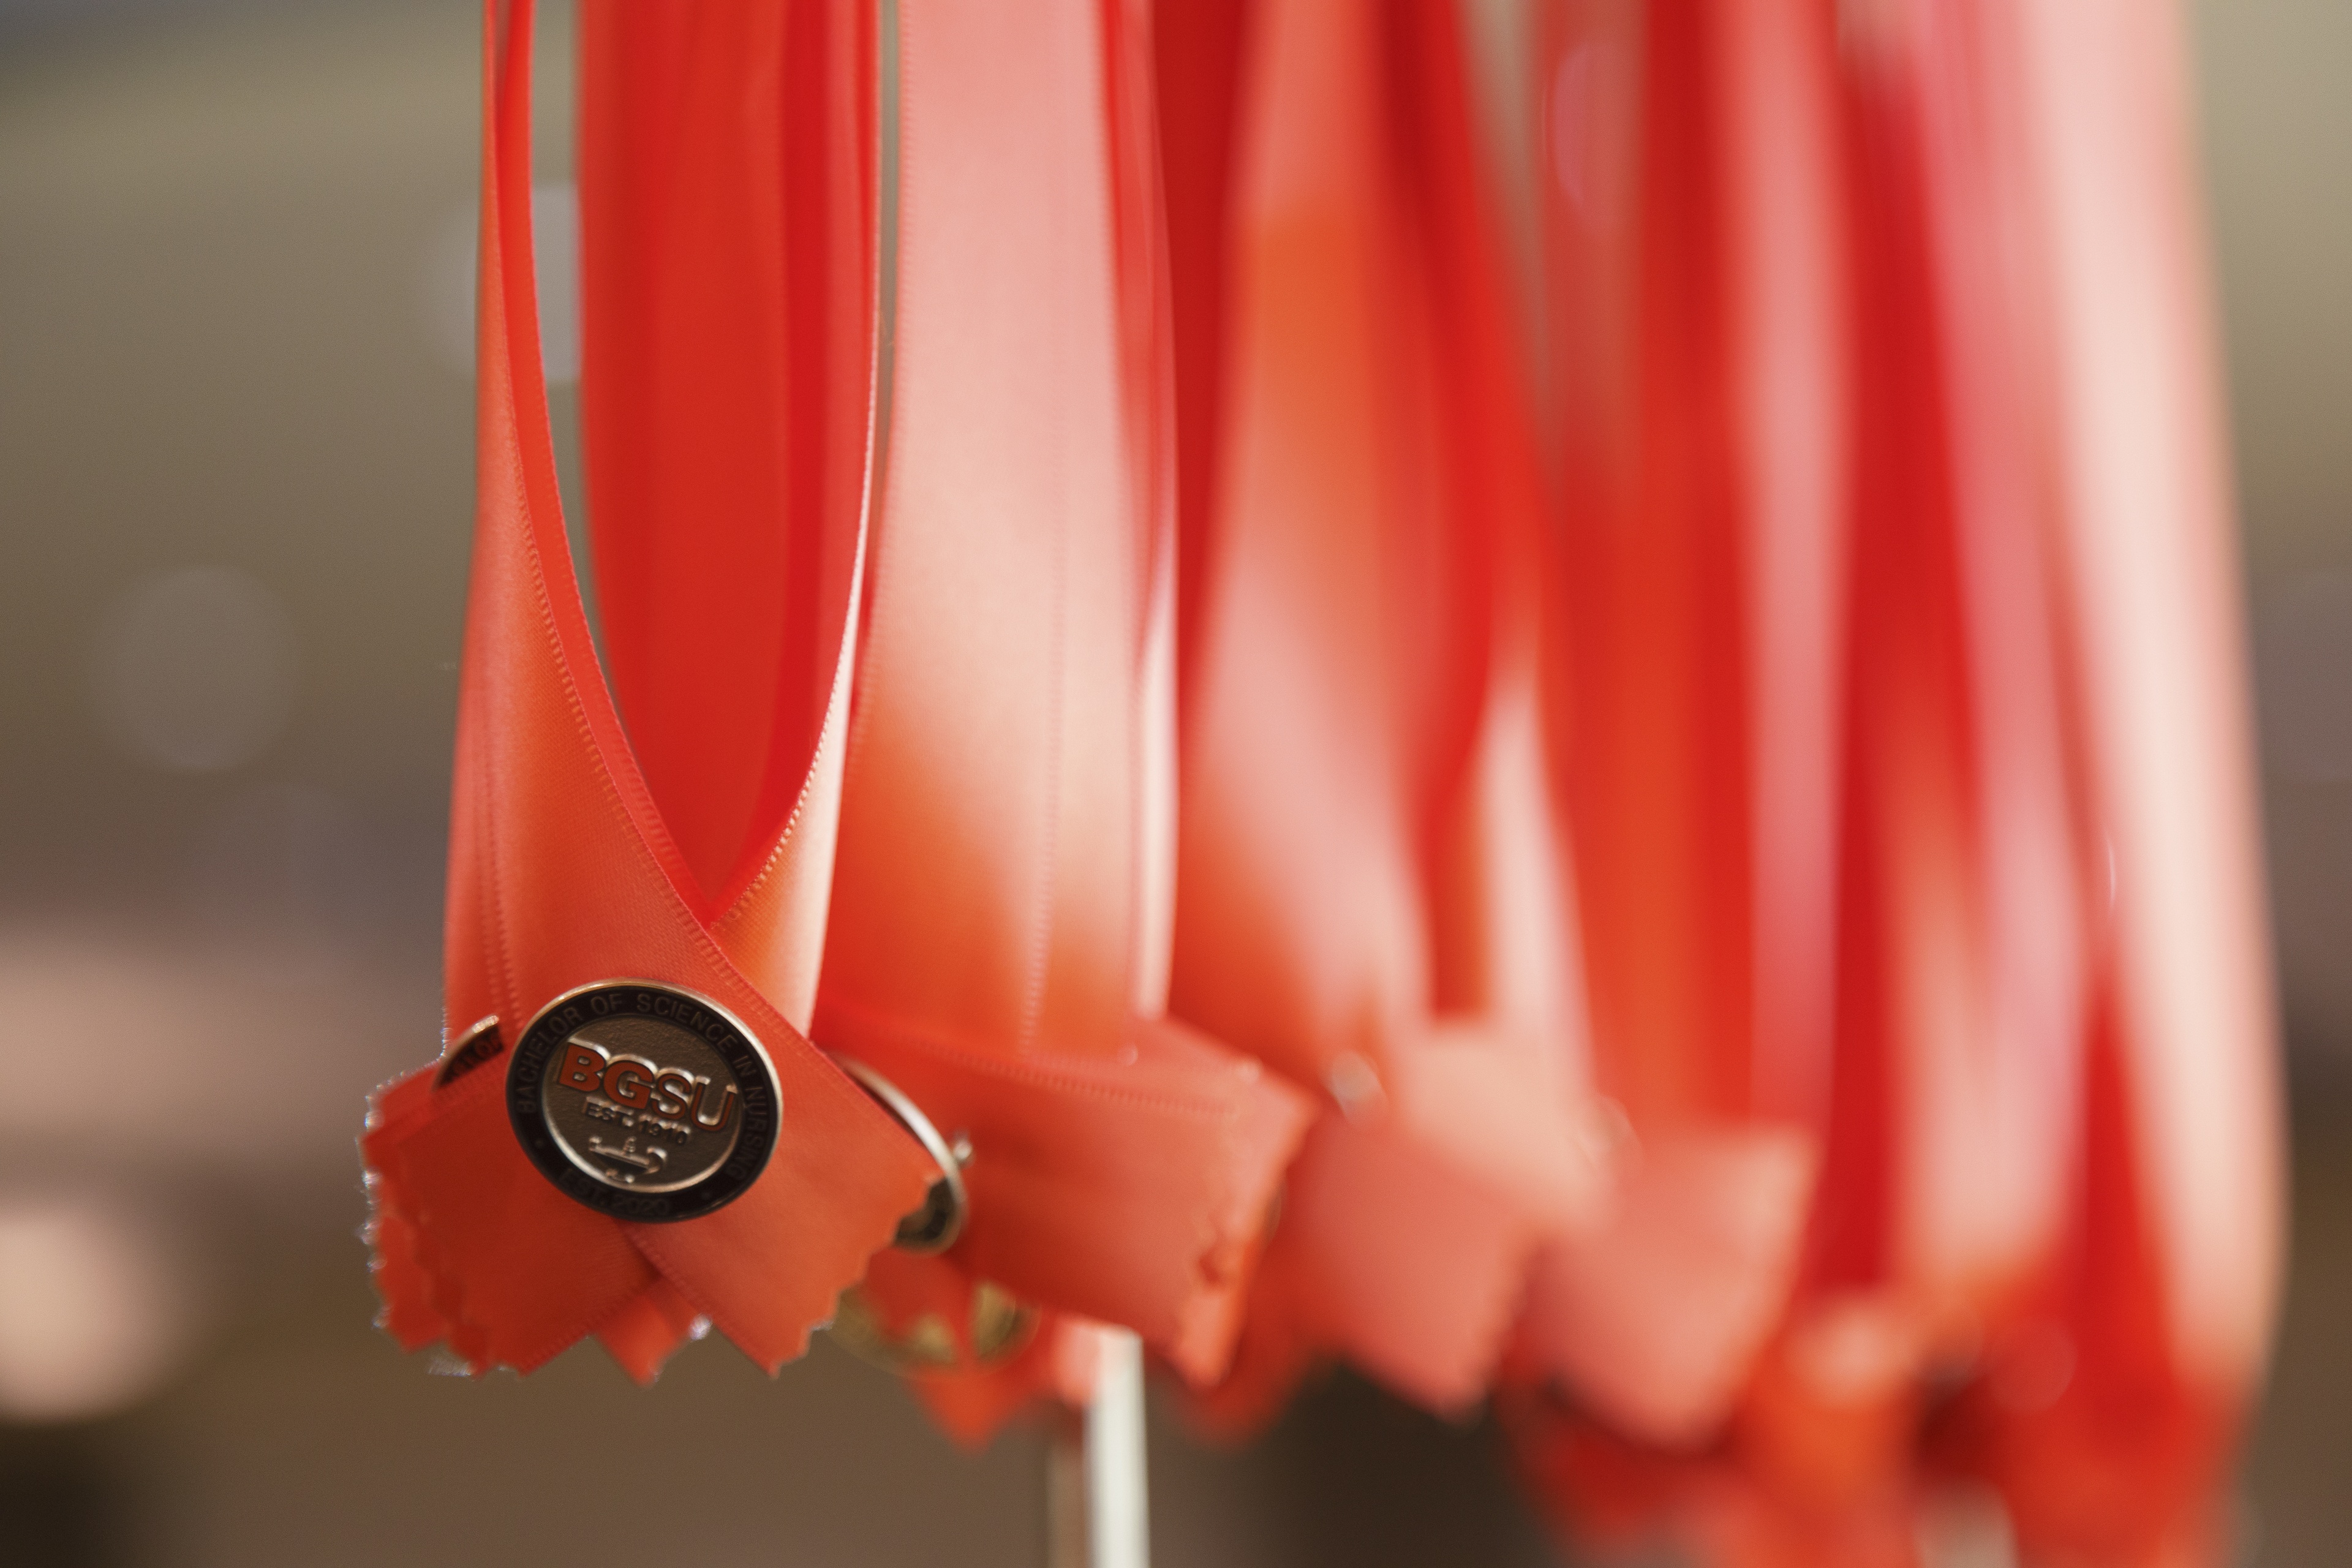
<point x="1377" y="892"/>
<point x="1369" y="894"/>
<point x="564" y="871"/>
<point x="1893" y="271"/>
<point x="1691" y="349"/>
<point x="998" y="925"/>
<point x="1862" y="750"/>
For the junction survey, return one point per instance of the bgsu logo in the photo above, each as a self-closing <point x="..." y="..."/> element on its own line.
<point x="635" y="1084"/>
<point x="643" y="1102"/>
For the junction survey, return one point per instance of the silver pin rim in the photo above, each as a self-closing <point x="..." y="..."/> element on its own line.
<point x="950" y="1158"/>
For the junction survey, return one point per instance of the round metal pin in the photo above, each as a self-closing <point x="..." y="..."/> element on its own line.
<point x="644" y="1101"/>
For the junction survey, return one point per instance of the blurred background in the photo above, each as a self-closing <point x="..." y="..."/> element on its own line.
<point x="236" y="257"/>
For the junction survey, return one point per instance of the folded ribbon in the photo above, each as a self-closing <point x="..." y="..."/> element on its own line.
<point x="1915" y="385"/>
<point x="1377" y="892"/>
<point x="996" y="937"/>
<point x="563" y="872"/>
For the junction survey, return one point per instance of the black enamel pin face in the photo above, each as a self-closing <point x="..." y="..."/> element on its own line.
<point x="643" y="1100"/>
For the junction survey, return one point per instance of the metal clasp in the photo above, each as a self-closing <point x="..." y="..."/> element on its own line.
<point x="934" y="1226"/>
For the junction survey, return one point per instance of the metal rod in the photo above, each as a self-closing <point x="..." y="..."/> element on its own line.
<point x="1096" y="1503"/>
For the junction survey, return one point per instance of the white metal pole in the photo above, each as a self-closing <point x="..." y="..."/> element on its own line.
<point x="1096" y="1502"/>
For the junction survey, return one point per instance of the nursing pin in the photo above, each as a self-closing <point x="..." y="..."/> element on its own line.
<point x="643" y="1100"/>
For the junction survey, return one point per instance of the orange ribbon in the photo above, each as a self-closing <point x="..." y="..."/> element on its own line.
<point x="1890" y="450"/>
<point x="564" y="872"/>
<point x="1377" y="892"/>
<point x="973" y="837"/>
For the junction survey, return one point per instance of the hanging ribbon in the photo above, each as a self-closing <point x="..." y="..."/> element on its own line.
<point x="1369" y="896"/>
<point x="1694" y="677"/>
<point x="1720" y="895"/>
<point x="1377" y="892"/>
<point x="996" y="945"/>
<point x="564" y="872"/>
<point x="1939" y="234"/>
